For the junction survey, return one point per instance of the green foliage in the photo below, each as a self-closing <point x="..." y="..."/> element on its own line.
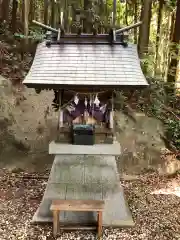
<point x="152" y="99"/>
<point x="34" y="33"/>
<point x="171" y="3"/>
<point x="147" y="64"/>
<point x="173" y="131"/>
<point x="154" y="102"/>
<point x="120" y="100"/>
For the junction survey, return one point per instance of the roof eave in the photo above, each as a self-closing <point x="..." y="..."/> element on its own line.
<point x="89" y="87"/>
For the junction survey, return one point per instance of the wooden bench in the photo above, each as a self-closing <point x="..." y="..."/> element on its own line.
<point x="79" y="206"/>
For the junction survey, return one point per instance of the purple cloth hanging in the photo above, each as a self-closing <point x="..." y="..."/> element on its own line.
<point x="97" y="113"/>
<point x="78" y="109"/>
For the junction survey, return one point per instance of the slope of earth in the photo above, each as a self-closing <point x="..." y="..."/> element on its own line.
<point x="154" y="202"/>
<point x="27" y="126"/>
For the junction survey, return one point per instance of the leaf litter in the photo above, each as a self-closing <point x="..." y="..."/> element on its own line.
<point x="156" y="212"/>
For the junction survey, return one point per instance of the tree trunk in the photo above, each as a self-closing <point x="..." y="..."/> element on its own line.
<point x="87" y="25"/>
<point x="135" y="20"/>
<point x="26" y="20"/>
<point x="101" y="13"/>
<point x="160" y="11"/>
<point x="5" y="10"/>
<point x="32" y="10"/>
<point x="52" y="13"/>
<point x="170" y="38"/>
<point x="173" y="66"/>
<point x="145" y="27"/>
<point x="165" y="47"/>
<point x="22" y="9"/>
<point x="46" y="6"/>
<point x="14" y="15"/>
<point x="66" y="15"/>
<point x="114" y="12"/>
<point x="126" y="13"/>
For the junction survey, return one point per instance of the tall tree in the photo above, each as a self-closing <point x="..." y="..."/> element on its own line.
<point x="5" y="10"/>
<point x="53" y="13"/>
<point x="26" y="19"/>
<point x="145" y="27"/>
<point x="126" y="13"/>
<point x="87" y="23"/>
<point x="174" y="50"/>
<point x="160" y="12"/>
<point x="46" y="6"/>
<point x="135" y="20"/>
<point x="32" y="10"/>
<point x="66" y="15"/>
<point x="14" y="15"/>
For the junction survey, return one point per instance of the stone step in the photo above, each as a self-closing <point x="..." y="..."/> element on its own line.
<point x="92" y="178"/>
<point x="96" y="149"/>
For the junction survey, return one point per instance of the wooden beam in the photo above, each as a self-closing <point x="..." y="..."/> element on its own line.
<point x="128" y="27"/>
<point x="45" y="26"/>
<point x="77" y="205"/>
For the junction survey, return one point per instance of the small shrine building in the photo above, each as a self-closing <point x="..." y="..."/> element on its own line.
<point x="84" y="71"/>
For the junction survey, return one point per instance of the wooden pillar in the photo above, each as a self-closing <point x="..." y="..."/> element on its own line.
<point x="111" y="121"/>
<point x="55" y="222"/>
<point x="60" y="120"/>
<point x="100" y="225"/>
<point x="111" y="125"/>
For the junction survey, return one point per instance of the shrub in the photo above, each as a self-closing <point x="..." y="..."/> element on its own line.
<point x="173" y="132"/>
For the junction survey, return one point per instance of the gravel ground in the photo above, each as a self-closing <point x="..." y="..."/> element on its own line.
<point x="156" y="215"/>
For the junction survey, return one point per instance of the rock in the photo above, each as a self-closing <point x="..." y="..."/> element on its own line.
<point x="5" y="87"/>
<point x="3" y="81"/>
<point x="170" y="167"/>
<point x="141" y="138"/>
<point x="150" y="199"/>
<point x="139" y="114"/>
<point x="23" y="73"/>
<point x="21" y="145"/>
<point x="127" y="177"/>
<point x="17" y="170"/>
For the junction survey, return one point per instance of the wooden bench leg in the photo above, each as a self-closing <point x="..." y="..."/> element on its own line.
<point x="100" y="224"/>
<point x="55" y="222"/>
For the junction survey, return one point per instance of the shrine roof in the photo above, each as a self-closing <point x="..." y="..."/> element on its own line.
<point x="72" y="64"/>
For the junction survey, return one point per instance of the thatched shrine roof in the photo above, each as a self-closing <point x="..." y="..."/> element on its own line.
<point x="78" y="64"/>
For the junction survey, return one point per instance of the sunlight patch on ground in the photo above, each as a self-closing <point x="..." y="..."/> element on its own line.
<point x="168" y="191"/>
